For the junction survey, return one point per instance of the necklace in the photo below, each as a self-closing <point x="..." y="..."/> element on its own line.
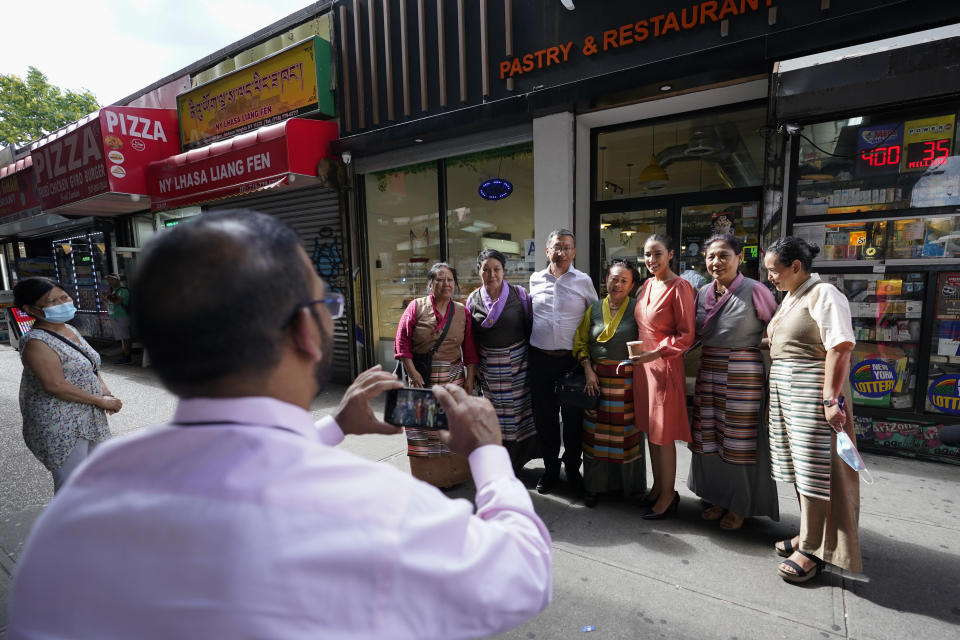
<point x="719" y="288"/>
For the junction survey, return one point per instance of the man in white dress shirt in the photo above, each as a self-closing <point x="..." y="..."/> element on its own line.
<point x="561" y="295"/>
<point x="239" y="518"/>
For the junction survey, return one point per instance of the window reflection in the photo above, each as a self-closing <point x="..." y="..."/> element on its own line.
<point x="720" y="151"/>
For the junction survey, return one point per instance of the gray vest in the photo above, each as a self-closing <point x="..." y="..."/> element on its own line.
<point x="736" y="325"/>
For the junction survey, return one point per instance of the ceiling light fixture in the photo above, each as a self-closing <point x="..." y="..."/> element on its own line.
<point x="653" y="175"/>
<point x="665" y="87"/>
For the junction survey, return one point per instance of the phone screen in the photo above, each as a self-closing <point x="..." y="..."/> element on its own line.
<point x="418" y="408"/>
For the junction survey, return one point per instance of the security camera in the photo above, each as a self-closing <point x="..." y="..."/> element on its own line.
<point x="346" y="156"/>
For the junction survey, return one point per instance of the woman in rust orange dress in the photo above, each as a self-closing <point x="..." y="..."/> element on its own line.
<point x="666" y="317"/>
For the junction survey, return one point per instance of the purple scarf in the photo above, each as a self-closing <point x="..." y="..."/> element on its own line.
<point x="712" y="304"/>
<point x="494" y="308"/>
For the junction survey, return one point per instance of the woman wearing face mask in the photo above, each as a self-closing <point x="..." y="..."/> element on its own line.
<point x="811" y="337"/>
<point x="63" y="399"/>
<point x="730" y="467"/>
<point x="665" y="315"/>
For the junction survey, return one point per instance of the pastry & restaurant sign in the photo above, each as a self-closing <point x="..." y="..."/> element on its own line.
<point x="601" y="32"/>
<point x="291" y="82"/>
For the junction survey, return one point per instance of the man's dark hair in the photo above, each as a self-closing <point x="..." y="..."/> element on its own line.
<point x="556" y="234"/>
<point x="29" y="290"/>
<point x="212" y="297"/>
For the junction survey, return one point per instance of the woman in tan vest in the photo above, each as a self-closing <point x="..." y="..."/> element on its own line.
<point x="423" y="329"/>
<point x="811" y="337"/>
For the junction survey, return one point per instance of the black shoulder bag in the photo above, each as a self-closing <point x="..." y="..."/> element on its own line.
<point x="423" y="362"/>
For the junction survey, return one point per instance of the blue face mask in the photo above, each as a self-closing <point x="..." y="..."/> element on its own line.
<point x="849" y="454"/>
<point x="60" y="312"/>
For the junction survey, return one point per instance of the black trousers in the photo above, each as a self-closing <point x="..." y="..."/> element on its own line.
<point x="544" y="371"/>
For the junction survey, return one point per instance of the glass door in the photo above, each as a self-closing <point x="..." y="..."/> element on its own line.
<point x="623" y="234"/>
<point x="699" y="222"/>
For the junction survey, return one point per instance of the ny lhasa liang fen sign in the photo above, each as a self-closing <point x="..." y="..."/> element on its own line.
<point x="292" y="82"/>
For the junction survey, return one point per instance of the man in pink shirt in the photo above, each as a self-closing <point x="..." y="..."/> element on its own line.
<point x="239" y="518"/>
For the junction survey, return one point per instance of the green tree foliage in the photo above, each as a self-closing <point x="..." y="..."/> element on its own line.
<point x="31" y="108"/>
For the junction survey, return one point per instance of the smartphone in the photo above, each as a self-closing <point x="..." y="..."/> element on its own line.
<point x="417" y="408"/>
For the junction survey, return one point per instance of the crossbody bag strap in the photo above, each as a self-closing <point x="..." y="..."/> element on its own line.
<point x="446" y="328"/>
<point x="73" y="344"/>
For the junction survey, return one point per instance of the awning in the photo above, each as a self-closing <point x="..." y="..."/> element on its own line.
<point x="97" y="165"/>
<point x="286" y="153"/>
<point x="18" y="188"/>
<point x="869" y="76"/>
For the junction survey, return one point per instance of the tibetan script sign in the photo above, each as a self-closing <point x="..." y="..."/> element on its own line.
<point x="292" y="82"/>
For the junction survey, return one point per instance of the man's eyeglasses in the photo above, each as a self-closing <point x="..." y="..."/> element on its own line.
<point x="334" y="303"/>
<point x="561" y="249"/>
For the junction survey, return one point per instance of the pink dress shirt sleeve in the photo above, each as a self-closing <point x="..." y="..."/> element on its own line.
<point x="403" y="346"/>
<point x="763" y="302"/>
<point x="469" y="347"/>
<point x="685" y="313"/>
<point x="328" y="431"/>
<point x="473" y="575"/>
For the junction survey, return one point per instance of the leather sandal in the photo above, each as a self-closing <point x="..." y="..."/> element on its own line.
<point x="713" y="512"/>
<point x="731" y="521"/>
<point x="786" y="550"/>
<point x="801" y="575"/>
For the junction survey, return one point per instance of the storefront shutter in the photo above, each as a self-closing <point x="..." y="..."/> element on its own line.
<point x="314" y="213"/>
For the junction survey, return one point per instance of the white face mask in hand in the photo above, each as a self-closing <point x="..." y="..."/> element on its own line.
<point x="849" y="454"/>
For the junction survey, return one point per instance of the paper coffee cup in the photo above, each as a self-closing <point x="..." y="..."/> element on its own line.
<point x="635" y="348"/>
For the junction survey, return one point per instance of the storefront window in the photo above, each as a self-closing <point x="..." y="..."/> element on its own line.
<point x="943" y="379"/>
<point x="893" y="239"/>
<point x="878" y="163"/>
<point x="403" y="234"/>
<point x="703" y="153"/>
<point x="622" y="235"/>
<point x="479" y="216"/>
<point x="702" y="221"/>
<point x="886" y="309"/>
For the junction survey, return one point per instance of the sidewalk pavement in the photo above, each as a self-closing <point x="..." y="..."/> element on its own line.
<point x="686" y="578"/>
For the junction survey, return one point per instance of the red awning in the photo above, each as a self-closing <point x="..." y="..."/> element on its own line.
<point x="97" y="165"/>
<point x="286" y="153"/>
<point x="18" y="188"/>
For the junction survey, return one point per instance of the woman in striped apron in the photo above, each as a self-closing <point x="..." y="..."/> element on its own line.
<point x="730" y="467"/>
<point x="502" y="320"/>
<point x="811" y="337"/>
<point x="612" y="444"/>
<point x="421" y="330"/>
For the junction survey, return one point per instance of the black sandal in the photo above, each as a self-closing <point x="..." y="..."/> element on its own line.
<point x="801" y="575"/>
<point x="787" y="549"/>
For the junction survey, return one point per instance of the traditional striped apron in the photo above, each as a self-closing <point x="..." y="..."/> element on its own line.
<point x="728" y="403"/>
<point x="503" y="381"/>
<point x="609" y="431"/>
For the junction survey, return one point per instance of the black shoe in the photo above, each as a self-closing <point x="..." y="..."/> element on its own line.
<point x="548" y="481"/>
<point x="674" y="505"/>
<point x="591" y="499"/>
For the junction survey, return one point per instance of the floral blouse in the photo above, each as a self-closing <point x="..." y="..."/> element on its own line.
<point x="51" y="426"/>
